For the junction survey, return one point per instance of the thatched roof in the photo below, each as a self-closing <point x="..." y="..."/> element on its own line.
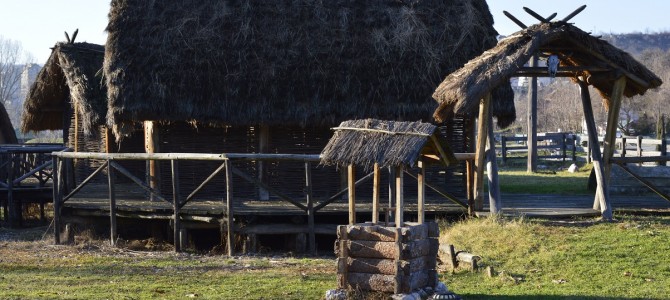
<point x="388" y="143"/>
<point x="297" y="62"/>
<point x="461" y="90"/>
<point x="71" y="75"/>
<point x="7" y="133"/>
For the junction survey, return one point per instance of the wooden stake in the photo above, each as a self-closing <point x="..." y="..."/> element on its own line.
<point x="375" y="193"/>
<point x="351" y="184"/>
<point x="175" y="204"/>
<point x="532" y="121"/>
<point x="400" y="197"/>
<point x="55" y="162"/>
<point x="495" y="203"/>
<point x="263" y="145"/>
<point x="482" y="129"/>
<point x="152" y="145"/>
<point x="230" y="238"/>
<point x="421" y="191"/>
<point x="605" y="208"/>
<point x="610" y="135"/>
<point x="112" y="203"/>
<point x="310" y="208"/>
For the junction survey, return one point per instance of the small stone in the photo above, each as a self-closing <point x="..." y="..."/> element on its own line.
<point x="573" y="168"/>
<point x="336" y="295"/>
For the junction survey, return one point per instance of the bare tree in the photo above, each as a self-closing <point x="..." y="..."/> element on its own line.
<point x="12" y="61"/>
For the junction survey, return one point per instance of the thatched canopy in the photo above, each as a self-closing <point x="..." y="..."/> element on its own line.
<point x="603" y="63"/>
<point x="388" y="143"/>
<point x="7" y="133"/>
<point x="297" y="62"/>
<point x="71" y="75"/>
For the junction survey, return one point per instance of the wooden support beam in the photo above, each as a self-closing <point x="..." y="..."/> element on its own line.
<point x="55" y="161"/>
<point x="482" y="130"/>
<point x="109" y="140"/>
<point x="262" y="166"/>
<point x="495" y="201"/>
<point x="469" y="174"/>
<point x="175" y="204"/>
<point x="230" y="234"/>
<point x="605" y="208"/>
<point x="376" y="181"/>
<point x="400" y="197"/>
<point x="152" y="145"/>
<point x="610" y="135"/>
<point x="421" y="191"/>
<point x="647" y="183"/>
<point x="531" y="116"/>
<point x="351" y="185"/>
<point x="311" y="238"/>
<point x="515" y="20"/>
<point x="112" y="203"/>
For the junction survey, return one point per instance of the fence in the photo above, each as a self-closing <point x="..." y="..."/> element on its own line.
<point x="558" y="146"/>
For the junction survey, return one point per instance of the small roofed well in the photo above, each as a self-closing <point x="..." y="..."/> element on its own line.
<point x="580" y="54"/>
<point x="386" y="143"/>
<point x="70" y="78"/>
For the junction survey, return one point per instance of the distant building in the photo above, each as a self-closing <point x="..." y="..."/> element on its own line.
<point x="28" y="76"/>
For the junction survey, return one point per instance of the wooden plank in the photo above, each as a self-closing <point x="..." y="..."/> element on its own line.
<point x="495" y="201"/>
<point x="531" y="116"/>
<point x="400" y="197"/>
<point x="351" y="179"/>
<point x="137" y="181"/>
<point x="610" y="134"/>
<point x="375" y="193"/>
<point x="482" y="129"/>
<point x="175" y="204"/>
<point x="311" y="239"/>
<point x="263" y="146"/>
<point x="151" y="146"/>
<point x="191" y="156"/>
<point x="112" y="203"/>
<point x="230" y="235"/>
<point x="205" y="182"/>
<point x="605" y="208"/>
<point x="469" y="173"/>
<point x="86" y="181"/>
<point x="421" y="191"/>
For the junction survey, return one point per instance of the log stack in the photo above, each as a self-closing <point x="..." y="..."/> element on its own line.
<point x="385" y="258"/>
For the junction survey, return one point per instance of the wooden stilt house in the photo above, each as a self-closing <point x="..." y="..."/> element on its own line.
<point x="274" y="76"/>
<point x="586" y="59"/>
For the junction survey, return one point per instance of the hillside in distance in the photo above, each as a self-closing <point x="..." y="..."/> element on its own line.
<point x="635" y="43"/>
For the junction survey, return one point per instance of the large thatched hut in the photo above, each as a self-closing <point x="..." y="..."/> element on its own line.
<point x="68" y="95"/>
<point x="274" y="76"/>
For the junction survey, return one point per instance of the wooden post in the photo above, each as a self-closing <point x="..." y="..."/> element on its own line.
<point x="230" y="238"/>
<point x="532" y="120"/>
<point x="152" y="145"/>
<point x="623" y="147"/>
<point x="263" y="145"/>
<point x="112" y="203"/>
<point x="495" y="203"/>
<point x="375" y="193"/>
<point x="391" y="192"/>
<point x="503" y="140"/>
<point x="175" y="204"/>
<point x="351" y="184"/>
<point x="310" y="208"/>
<point x="639" y="148"/>
<point x="605" y="208"/>
<point x="610" y="134"/>
<point x="480" y="152"/>
<point x="56" y="198"/>
<point x="421" y="190"/>
<point x="564" y="146"/>
<point x="664" y="149"/>
<point x="574" y="148"/>
<point x="469" y="168"/>
<point x="397" y="288"/>
<point x="400" y="199"/>
<point x="13" y="206"/>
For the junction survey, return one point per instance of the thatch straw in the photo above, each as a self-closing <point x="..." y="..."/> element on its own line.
<point x="461" y="90"/>
<point x="7" y="133"/>
<point x="387" y="143"/>
<point x="70" y="77"/>
<point x="298" y="62"/>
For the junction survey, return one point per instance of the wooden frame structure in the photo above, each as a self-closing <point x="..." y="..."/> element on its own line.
<point x="586" y="59"/>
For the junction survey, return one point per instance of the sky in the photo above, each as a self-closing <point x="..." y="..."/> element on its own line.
<point x="39" y="24"/>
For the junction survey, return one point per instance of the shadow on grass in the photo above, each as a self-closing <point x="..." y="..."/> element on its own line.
<point x="545" y="297"/>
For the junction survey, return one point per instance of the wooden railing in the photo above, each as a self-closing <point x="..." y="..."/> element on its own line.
<point x="62" y="192"/>
<point x="561" y="143"/>
<point x="24" y="168"/>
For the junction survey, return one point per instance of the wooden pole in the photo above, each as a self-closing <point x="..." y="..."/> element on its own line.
<point x="480" y="152"/>
<point x="263" y="146"/>
<point x="351" y="184"/>
<point x="230" y="238"/>
<point x="175" y="204"/>
<point x="56" y="198"/>
<point x="400" y="199"/>
<point x="421" y="191"/>
<point x="152" y="145"/>
<point x="532" y="120"/>
<point x="310" y="208"/>
<point x="375" y="193"/>
<point x="469" y="167"/>
<point x="391" y="192"/>
<point x="112" y="203"/>
<point x="495" y="202"/>
<point x="503" y="141"/>
<point x="610" y="135"/>
<point x="13" y="206"/>
<point x="605" y="208"/>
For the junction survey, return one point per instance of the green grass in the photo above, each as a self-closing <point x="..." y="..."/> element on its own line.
<point x="564" y="260"/>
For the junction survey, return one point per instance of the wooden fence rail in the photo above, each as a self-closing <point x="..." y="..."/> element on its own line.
<point x="61" y="192"/>
<point x="554" y="142"/>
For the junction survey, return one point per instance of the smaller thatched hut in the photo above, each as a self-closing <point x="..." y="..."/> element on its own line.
<point x="7" y="133"/>
<point x="69" y="96"/>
